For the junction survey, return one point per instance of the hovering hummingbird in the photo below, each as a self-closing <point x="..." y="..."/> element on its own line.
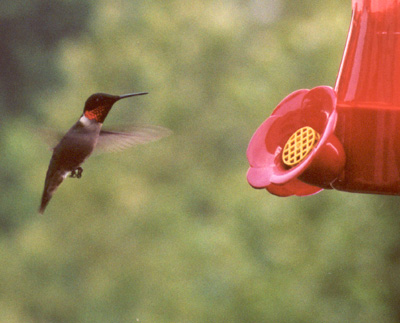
<point x="86" y="135"/>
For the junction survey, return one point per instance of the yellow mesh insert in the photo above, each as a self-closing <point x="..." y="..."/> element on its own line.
<point x="299" y="145"/>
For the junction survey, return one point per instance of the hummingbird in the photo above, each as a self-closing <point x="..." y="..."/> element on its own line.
<point x="86" y="135"/>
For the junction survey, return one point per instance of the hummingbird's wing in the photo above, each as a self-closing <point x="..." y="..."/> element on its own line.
<point x="111" y="141"/>
<point x="50" y="136"/>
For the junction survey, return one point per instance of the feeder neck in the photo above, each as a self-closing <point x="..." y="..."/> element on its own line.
<point x="374" y="5"/>
<point x="370" y="70"/>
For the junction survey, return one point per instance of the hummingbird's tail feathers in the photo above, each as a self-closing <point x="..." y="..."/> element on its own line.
<point x="45" y="201"/>
<point x="51" y="185"/>
<point x="111" y="141"/>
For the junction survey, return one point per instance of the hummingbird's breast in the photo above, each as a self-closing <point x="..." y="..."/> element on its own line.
<point x="77" y="144"/>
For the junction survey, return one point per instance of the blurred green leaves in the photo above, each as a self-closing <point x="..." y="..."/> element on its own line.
<point x="30" y="32"/>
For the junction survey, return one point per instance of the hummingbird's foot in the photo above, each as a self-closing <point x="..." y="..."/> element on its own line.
<point x="76" y="173"/>
<point x="79" y="170"/>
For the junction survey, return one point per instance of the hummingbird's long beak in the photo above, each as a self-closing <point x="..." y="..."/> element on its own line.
<point x="131" y="94"/>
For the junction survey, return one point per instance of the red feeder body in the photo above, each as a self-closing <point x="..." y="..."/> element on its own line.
<point x="368" y="99"/>
<point x="347" y="138"/>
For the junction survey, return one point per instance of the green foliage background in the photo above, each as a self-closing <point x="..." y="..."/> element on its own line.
<point x="171" y="231"/>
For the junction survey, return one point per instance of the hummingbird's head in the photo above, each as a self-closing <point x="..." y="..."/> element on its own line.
<point x="98" y="105"/>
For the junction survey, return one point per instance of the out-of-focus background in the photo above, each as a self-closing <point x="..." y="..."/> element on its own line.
<point x="171" y="231"/>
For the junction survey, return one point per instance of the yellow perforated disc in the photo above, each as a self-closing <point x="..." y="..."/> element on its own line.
<point x="299" y="145"/>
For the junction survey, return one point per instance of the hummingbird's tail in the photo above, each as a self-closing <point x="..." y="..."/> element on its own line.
<point x="53" y="181"/>
<point x="45" y="201"/>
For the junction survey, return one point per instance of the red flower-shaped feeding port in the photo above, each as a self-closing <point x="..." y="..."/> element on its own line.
<point x="295" y="151"/>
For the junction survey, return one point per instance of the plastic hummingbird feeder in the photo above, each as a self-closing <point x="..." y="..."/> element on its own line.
<point x="346" y="138"/>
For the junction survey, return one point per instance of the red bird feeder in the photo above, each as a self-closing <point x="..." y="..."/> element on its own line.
<point x="347" y="138"/>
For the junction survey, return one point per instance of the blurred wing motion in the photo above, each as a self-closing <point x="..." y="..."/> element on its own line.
<point x="50" y="136"/>
<point x="111" y="141"/>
